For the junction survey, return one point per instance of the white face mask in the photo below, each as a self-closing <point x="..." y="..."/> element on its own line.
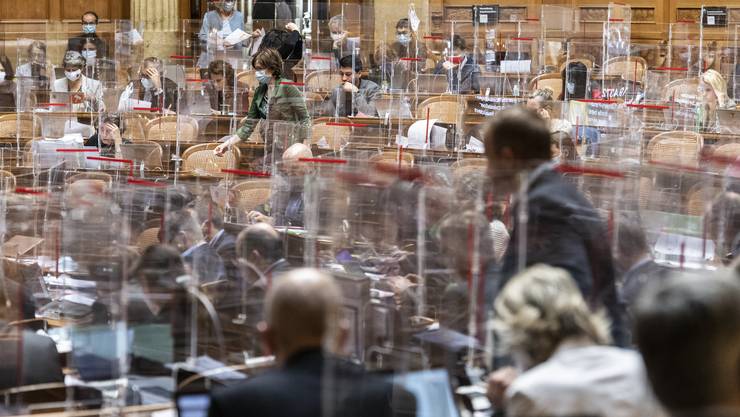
<point x="73" y="75"/>
<point x="2" y="75"/>
<point x="147" y="83"/>
<point x="228" y="6"/>
<point x="262" y="76"/>
<point x="337" y="36"/>
<point x="89" y="54"/>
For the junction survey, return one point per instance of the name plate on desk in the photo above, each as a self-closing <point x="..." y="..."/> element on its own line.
<point x="520" y="66"/>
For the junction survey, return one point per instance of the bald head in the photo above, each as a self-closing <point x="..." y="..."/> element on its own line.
<point x="302" y="311"/>
<point x="259" y="243"/>
<point x="297" y="151"/>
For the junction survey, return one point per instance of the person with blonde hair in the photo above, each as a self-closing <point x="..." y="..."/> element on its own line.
<point x="560" y="347"/>
<point x="715" y="90"/>
<point x="713" y="97"/>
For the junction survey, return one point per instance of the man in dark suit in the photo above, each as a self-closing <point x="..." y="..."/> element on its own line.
<point x="259" y="252"/>
<point x="183" y="231"/>
<point x="562" y="228"/>
<point x="89" y="34"/>
<point x="221" y="241"/>
<point x="634" y="258"/>
<point x="303" y="318"/>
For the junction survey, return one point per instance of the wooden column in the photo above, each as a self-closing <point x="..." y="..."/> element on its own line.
<point x="161" y="22"/>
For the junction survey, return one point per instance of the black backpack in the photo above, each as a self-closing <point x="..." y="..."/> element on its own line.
<point x="289" y="44"/>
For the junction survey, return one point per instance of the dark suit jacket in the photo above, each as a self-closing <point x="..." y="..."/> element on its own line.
<point x="31" y="360"/>
<point x="312" y="384"/>
<point x="565" y="231"/>
<point x="636" y="278"/>
<point x="225" y="246"/>
<point x="205" y="263"/>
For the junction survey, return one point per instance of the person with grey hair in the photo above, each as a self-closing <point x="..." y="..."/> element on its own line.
<point x="304" y="330"/>
<point x="343" y="43"/>
<point x="86" y="93"/>
<point x="564" y="366"/>
<point x="688" y="331"/>
<point x="219" y="23"/>
<point x="36" y="64"/>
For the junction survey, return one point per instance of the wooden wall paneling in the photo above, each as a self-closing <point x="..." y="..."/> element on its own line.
<point x="73" y="9"/>
<point x="11" y="9"/>
<point x="68" y="10"/>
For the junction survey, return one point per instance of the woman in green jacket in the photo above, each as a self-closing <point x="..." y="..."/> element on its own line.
<point x="275" y="100"/>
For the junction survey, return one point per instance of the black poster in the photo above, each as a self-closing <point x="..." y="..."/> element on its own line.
<point x="714" y="17"/>
<point x="486" y="15"/>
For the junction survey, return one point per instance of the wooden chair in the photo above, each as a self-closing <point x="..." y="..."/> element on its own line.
<point x="698" y="197"/>
<point x="201" y="161"/>
<point x="727" y="152"/>
<point x="7" y="180"/>
<point x="246" y="79"/>
<point x="391" y="158"/>
<point x="445" y="109"/>
<point x="134" y="127"/>
<point x="145" y="152"/>
<point x="630" y="68"/>
<point x="98" y="176"/>
<point x="322" y="81"/>
<point x="552" y="80"/>
<point x="334" y="136"/>
<point x="30" y="126"/>
<point x="465" y="167"/>
<point x="469" y="162"/>
<point x="252" y="193"/>
<point x="148" y="237"/>
<point x="314" y="103"/>
<point x="683" y="90"/>
<point x="165" y="128"/>
<point x="679" y="147"/>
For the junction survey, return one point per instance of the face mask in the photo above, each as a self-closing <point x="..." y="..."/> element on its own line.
<point x="88" y="28"/>
<point x="147" y="83"/>
<point x="571" y="87"/>
<point x="2" y="76"/>
<point x="403" y="38"/>
<point x="73" y="75"/>
<point x="228" y="6"/>
<point x="90" y="56"/>
<point x="337" y="36"/>
<point x="262" y="77"/>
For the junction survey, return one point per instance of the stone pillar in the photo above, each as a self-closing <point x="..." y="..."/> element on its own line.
<point x="161" y="23"/>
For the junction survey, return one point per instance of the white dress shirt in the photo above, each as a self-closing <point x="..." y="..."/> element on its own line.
<point x="584" y="380"/>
